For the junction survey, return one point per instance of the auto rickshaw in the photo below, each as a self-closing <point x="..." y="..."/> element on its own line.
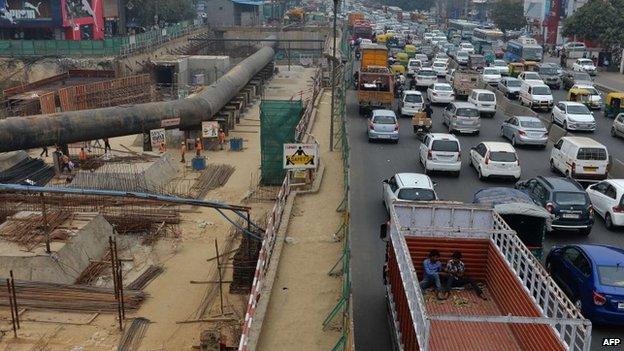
<point x="402" y="58"/>
<point x="515" y="68"/>
<point x="580" y="95"/>
<point x="397" y="68"/>
<point x="381" y="38"/>
<point x="531" y="66"/>
<point x="410" y="50"/>
<point x="614" y="104"/>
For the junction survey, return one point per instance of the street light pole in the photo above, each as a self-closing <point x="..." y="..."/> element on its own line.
<point x="333" y="82"/>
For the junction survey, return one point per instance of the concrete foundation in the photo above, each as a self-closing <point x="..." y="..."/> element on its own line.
<point x="151" y="177"/>
<point x="87" y="240"/>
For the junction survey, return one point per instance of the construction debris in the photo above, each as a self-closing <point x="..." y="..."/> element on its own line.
<point x="214" y="176"/>
<point x="29" y="230"/>
<point x="62" y="297"/>
<point x="131" y="340"/>
<point x="34" y="170"/>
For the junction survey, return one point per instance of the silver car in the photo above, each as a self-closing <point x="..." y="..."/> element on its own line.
<point x="383" y="125"/>
<point x="510" y="87"/>
<point x="462" y="117"/>
<point x="525" y="130"/>
<point x="617" y="129"/>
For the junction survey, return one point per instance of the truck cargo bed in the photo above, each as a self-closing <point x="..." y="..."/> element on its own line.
<point x="524" y="311"/>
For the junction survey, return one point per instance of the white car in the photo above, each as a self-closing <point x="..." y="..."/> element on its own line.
<point x="413" y="65"/>
<point x="502" y="67"/>
<point x="440" y="68"/>
<point x="495" y="159"/>
<point x="467" y="47"/>
<point x="595" y="97"/>
<point x="584" y="65"/>
<point x="425" y="77"/>
<point x="411" y="102"/>
<point x="408" y="187"/>
<point x="573" y="116"/>
<point x="462" y="57"/>
<point x="529" y="76"/>
<point x="608" y="201"/>
<point x="440" y="93"/>
<point x="449" y="75"/>
<point x="491" y="75"/>
<point x="440" y="152"/>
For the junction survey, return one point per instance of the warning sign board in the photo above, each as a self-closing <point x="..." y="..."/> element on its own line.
<point x="157" y="137"/>
<point x="210" y="129"/>
<point x="300" y="156"/>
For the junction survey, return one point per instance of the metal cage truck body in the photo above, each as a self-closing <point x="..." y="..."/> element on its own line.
<point x="523" y="310"/>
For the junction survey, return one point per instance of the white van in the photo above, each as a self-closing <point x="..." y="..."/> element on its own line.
<point x="411" y="102"/>
<point x="536" y="95"/>
<point x="485" y="101"/>
<point x="580" y="158"/>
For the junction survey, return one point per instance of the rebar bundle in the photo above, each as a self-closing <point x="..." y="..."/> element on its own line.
<point x="145" y="278"/>
<point x="29" y="168"/>
<point x="131" y="340"/>
<point x="29" y="231"/>
<point x="214" y="176"/>
<point x="64" y="297"/>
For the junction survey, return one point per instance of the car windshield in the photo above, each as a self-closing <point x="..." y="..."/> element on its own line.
<point x="413" y="98"/>
<point x="462" y="54"/>
<point x="500" y="64"/>
<point x="439" y="64"/>
<point x="592" y="154"/>
<point x="612" y="275"/>
<point x="581" y="76"/>
<point x="578" y="110"/>
<point x="592" y="91"/>
<point x="487" y="97"/>
<point x="531" y="124"/>
<point x="468" y="112"/>
<point x="532" y="76"/>
<point x="548" y="70"/>
<point x="416" y="194"/>
<point x="445" y="145"/>
<point x="442" y="88"/>
<point x="586" y="62"/>
<point x="427" y="73"/>
<point x="514" y="83"/>
<point x="414" y="63"/>
<point x="384" y="119"/>
<point x="491" y="71"/>
<point x="544" y="90"/>
<point x="502" y="156"/>
<point x="567" y="198"/>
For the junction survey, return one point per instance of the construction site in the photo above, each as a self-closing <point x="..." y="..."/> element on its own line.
<point x="144" y="202"/>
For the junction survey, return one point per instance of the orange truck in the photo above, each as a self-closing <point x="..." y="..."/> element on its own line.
<point x="375" y="81"/>
<point x="522" y="307"/>
<point x="355" y="17"/>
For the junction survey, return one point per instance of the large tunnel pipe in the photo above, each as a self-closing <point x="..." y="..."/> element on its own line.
<point x="17" y="133"/>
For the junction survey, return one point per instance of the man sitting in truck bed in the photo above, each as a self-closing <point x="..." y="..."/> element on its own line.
<point x="455" y="269"/>
<point x="431" y="272"/>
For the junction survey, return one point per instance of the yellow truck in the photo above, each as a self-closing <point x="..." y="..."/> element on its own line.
<point x="375" y="81"/>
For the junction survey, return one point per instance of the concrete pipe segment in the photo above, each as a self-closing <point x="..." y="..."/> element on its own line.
<point x="17" y="133"/>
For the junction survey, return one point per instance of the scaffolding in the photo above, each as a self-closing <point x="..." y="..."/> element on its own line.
<point x="278" y="120"/>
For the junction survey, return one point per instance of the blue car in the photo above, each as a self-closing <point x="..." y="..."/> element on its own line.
<point x="593" y="278"/>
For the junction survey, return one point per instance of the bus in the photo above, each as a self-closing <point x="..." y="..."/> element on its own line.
<point x="463" y="27"/>
<point x="487" y="40"/>
<point x="491" y="35"/>
<point x="518" y="51"/>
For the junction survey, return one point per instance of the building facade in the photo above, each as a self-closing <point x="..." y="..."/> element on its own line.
<point x="224" y="13"/>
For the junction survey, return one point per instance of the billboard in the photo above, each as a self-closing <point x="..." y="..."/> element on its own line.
<point x="35" y="13"/>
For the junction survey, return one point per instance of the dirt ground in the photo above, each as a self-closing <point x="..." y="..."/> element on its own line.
<point x="172" y="298"/>
<point x="303" y="293"/>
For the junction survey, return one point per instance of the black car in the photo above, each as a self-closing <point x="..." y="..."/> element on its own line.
<point x="549" y="72"/>
<point x="571" y="78"/>
<point x="564" y="198"/>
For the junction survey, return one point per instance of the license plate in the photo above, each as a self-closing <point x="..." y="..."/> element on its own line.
<point x="590" y="169"/>
<point x="571" y="216"/>
<point x="535" y="134"/>
<point x="382" y="136"/>
<point x="621" y="305"/>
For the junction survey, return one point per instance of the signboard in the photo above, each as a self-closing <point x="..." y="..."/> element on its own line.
<point x="300" y="156"/>
<point x="157" y="137"/>
<point x="171" y="122"/>
<point x="210" y="129"/>
<point x="36" y="13"/>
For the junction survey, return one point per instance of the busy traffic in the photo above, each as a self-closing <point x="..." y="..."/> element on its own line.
<point x="450" y="110"/>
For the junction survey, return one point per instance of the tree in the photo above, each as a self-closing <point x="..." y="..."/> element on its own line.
<point x="508" y="14"/>
<point x="170" y="11"/>
<point x="601" y="21"/>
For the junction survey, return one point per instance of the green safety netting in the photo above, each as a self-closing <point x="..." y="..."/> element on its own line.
<point x="278" y="120"/>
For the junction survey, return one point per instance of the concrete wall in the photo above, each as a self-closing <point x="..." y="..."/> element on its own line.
<point x="262" y="33"/>
<point x="66" y="264"/>
<point x="220" y="13"/>
<point x="212" y="67"/>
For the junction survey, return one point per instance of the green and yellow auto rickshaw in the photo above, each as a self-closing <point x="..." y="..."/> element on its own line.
<point x="410" y="50"/>
<point x="580" y="95"/>
<point x="614" y="104"/>
<point x="515" y="68"/>
<point x="397" y="68"/>
<point x="402" y="58"/>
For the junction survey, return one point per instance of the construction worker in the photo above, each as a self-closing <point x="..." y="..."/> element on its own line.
<point x="198" y="147"/>
<point x="82" y="155"/>
<point x="44" y="150"/>
<point x="221" y="138"/>
<point x="65" y="163"/>
<point x="107" y="145"/>
<point x="183" y="151"/>
<point x="162" y="148"/>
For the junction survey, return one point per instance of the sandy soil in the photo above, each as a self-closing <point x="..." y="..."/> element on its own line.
<point x="303" y="293"/>
<point x="172" y="298"/>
